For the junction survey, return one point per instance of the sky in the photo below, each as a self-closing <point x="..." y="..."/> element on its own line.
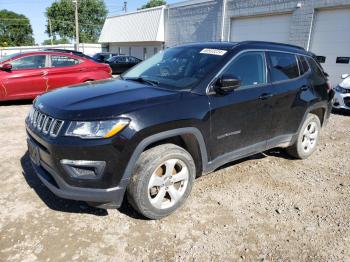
<point x="35" y="11"/>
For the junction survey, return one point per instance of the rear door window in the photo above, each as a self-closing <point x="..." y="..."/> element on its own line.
<point x="249" y="68"/>
<point x="63" y="61"/>
<point x="133" y="59"/>
<point x="122" y="59"/>
<point x="284" y="66"/>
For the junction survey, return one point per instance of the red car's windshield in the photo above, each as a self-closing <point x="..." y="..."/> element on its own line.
<point x="7" y="57"/>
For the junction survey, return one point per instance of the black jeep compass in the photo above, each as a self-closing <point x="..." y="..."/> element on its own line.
<point x="183" y="112"/>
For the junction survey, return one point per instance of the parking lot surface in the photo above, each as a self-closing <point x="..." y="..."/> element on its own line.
<point x="266" y="207"/>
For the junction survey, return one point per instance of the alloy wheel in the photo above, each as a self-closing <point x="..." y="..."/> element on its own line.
<point x="309" y="137"/>
<point x="168" y="183"/>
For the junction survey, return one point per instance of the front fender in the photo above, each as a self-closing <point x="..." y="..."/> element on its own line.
<point x="158" y="137"/>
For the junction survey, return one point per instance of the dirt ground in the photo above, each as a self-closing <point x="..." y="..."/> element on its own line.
<point x="267" y="208"/>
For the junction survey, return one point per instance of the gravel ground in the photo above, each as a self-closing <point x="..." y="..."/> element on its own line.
<point x="266" y="207"/>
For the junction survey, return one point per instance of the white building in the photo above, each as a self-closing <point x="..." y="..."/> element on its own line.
<point x="139" y="34"/>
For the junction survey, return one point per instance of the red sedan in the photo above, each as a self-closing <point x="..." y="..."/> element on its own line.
<point x="27" y="75"/>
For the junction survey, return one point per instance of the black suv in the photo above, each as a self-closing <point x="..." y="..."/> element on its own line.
<point x="182" y="113"/>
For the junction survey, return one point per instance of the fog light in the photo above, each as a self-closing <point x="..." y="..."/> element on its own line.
<point x="84" y="169"/>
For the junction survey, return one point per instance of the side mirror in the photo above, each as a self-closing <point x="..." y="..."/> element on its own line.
<point x="343" y="76"/>
<point x="6" y="67"/>
<point x="226" y="83"/>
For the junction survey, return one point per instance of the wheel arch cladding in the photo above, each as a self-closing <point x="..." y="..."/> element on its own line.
<point x="190" y="138"/>
<point x="320" y="113"/>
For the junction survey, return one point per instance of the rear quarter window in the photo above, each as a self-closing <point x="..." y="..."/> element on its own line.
<point x="303" y="65"/>
<point x="284" y="66"/>
<point x="317" y="74"/>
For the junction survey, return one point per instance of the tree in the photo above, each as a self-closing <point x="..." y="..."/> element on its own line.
<point x="56" y="41"/>
<point x="92" y="14"/>
<point x="15" y="29"/>
<point x="153" y="3"/>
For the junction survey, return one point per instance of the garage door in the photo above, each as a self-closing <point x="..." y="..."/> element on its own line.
<point x="274" y="28"/>
<point x="331" y="39"/>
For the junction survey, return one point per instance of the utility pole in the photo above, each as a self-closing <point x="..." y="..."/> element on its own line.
<point x="125" y="7"/>
<point x="76" y="26"/>
<point x="222" y="38"/>
<point x="50" y="27"/>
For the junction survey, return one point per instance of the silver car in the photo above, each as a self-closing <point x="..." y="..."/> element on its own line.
<point x="342" y="93"/>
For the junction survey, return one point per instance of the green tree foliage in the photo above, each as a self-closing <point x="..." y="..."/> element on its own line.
<point x="153" y="3"/>
<point x="92" y="14"/>
<point x="56" y="41"/>
<point x="15" y="29"/>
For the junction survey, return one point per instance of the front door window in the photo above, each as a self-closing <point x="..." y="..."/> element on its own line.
<point x="29" y="62"/>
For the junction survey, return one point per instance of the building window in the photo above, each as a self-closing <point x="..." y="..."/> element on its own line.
<point x="343" y="60"/>
<point x="155" y="50"/>
<point x="129" y="50"/>
<point x="119" y="51"/>
<point x="144" y="53"/>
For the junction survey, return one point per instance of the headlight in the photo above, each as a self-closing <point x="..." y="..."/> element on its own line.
<point x="96" y="129"/>
<point x="339" y="89"/>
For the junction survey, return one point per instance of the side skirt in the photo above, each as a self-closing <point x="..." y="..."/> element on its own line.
<point x="280" y="141"/>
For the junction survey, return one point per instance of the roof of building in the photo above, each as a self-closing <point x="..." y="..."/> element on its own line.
<point x="146" y="25"/>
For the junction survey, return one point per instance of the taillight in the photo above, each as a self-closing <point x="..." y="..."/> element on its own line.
<point x="108" y="69"/>
<point x="329" y="87"/>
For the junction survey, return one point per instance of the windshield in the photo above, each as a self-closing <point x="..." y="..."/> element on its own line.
<point x="7" y="57"/>
<point x="178" y="68"/>
<point x="112" y="59"/>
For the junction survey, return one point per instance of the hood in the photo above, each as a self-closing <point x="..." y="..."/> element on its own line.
<point x="101" y="99"/>
<point x="345" y="83"/>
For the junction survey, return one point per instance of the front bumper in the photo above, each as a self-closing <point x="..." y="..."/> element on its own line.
<point x="104" y="197"/>
<point x="106" y="190"/>
<point x="341" y="101"/>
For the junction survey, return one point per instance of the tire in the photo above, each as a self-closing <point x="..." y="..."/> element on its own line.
<point x="162" y="181"/>
<point x="307" y="138"/>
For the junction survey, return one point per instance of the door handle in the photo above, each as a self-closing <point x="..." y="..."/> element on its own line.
<point x="265" y="96"/>
<point x="304" y="88"/>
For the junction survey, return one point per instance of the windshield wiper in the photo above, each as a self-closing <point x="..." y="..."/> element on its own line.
<point x="142" y="80"/>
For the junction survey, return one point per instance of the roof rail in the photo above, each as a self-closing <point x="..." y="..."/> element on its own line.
<point x="68" y="51"/>
<point x="272" y="43"/>
<point x="62" y="50"/>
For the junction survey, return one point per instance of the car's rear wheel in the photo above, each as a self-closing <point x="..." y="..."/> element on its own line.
<point x="307" y="139"/>
<point x="162" y="181"/>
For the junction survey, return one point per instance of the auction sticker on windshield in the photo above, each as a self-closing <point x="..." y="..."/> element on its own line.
<point x="211" y="51"/>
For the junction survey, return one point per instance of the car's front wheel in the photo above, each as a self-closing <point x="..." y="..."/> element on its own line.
<point x="307" y="139"/>
<point x="162" y="180"/>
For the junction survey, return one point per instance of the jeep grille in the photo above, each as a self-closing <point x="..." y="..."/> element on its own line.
<point x="43" y="123"/>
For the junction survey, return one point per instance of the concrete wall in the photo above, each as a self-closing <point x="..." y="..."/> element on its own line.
<point x="193" y="21"/>
<point x="88" y="49"/>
